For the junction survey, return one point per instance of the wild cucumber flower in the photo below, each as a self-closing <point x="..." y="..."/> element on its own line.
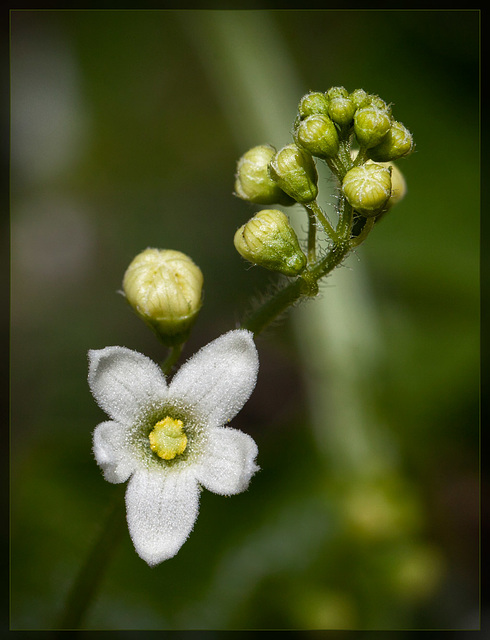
<point x="168" y="440"/>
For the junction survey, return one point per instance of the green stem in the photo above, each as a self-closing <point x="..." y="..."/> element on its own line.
<point x="313" y="208"/>
<point x="306" y="285"/>
<point x="83" y="589"/>
<point x="172" y="358"/>
<point x="359" y="239"/>
<point x="274" y="307"/>
<point x="362" y="156"/>
<point x="311" y="236"/>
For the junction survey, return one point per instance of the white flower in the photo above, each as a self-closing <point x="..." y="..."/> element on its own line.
<point x="169" y="439"/>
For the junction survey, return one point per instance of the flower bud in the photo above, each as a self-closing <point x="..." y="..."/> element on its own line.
<point x="336" y="92"/>
<point x="318" y="135"/>
<point x="294" y="171"/>
<point x="341" y="110"/>
<point x="359" y="97"/>
<point x="164" y="287"/>
<point x="252" y="180"/>
<point x="371" y="125"/>
<point x="368" y="188"/>
<point x="398" y="142"/>
<point x="313" y="103"/>
<point x="269" y="240"/>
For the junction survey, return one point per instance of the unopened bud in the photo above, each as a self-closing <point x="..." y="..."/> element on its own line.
<point x="397" y="142"/>
<point x="359" y="97"/>
<point x="294" y="171"/>
<point x="318" y="135"/>
<point x="368" y="188"/>
<point x="371" y="125"/>
<point x="252" y="180"/>
<point x="164" y="287"/>
<point x="268" y="240"/>
<point x="313" y="103"/>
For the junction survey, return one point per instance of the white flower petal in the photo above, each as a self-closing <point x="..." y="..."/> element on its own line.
<point x="125" y="383"/>
<point x="161" y="511"/>
<point x="229" y="462"/>
<point x="219" y="378"/>
<point x="111" y="452"/>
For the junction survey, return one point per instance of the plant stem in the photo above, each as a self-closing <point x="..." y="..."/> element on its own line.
<point x="274" y="307"/>
<point x="311" y="236"/>
<point x="313" y="208"/>
<point x="172" y="358"/>
<point x="83" y="589"/>
<point x="306" y="285"/>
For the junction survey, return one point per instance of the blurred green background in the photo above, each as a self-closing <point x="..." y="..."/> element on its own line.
<point x="126" y="129"/>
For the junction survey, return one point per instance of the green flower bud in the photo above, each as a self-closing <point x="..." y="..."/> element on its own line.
<point x="379" y="103"/>
<point x="164" y="287"/>
<point x="252" y="180"/>
<point x="269" y="240"/>
<point x="313" y="103"/>
<point x="294" y="171"/>
<point x="359" y="97"/>
<point x="398" y="142"/>
<point x="371" y="125"/>
<point x="337" y="92"/>
<point x="341" y="110"/>
<point x="368" y="188"/>
<point x="318" y="135"/>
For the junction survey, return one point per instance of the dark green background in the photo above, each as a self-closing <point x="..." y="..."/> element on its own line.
<point x="123" y="137"/>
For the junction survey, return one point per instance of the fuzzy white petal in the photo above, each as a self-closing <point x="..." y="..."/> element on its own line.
<point x="112" y="453"/>
<point x="229" y="462"/>
<point x="219" y="378"/>
<point x="161" y="511"/>
<point x="125" y="383"/>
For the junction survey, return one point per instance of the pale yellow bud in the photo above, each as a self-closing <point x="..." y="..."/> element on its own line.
<point x="164" y="287"/>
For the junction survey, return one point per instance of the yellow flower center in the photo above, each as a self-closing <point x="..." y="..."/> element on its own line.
<point x="168" y="439"/>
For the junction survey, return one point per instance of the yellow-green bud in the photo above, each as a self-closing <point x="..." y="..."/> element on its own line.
<point x="336" y="92"/>
<point x="341" y="110"/>
<point x="368" y="188"/>
<point x="359" y="97"/>
<point x="269" y="240"/>
<point x="313" y="103"/>
<point x="379" y="103"/>
<point x="252" y="180"/>
<point x="294" y="171"/>
<point x="164" y="287"/>
<point x="371" y="125"/>
<point x="398" y="142"/>
<point x="318" y="135"/>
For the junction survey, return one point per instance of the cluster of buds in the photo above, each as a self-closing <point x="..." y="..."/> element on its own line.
<point x="326" y="126"/>
<point x="323" y="116"/>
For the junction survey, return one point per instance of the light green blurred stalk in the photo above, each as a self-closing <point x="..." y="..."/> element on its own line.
<point x="259" y="87"/>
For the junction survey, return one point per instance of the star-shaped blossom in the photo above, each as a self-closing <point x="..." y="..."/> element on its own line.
<point x="168" y="440"/>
